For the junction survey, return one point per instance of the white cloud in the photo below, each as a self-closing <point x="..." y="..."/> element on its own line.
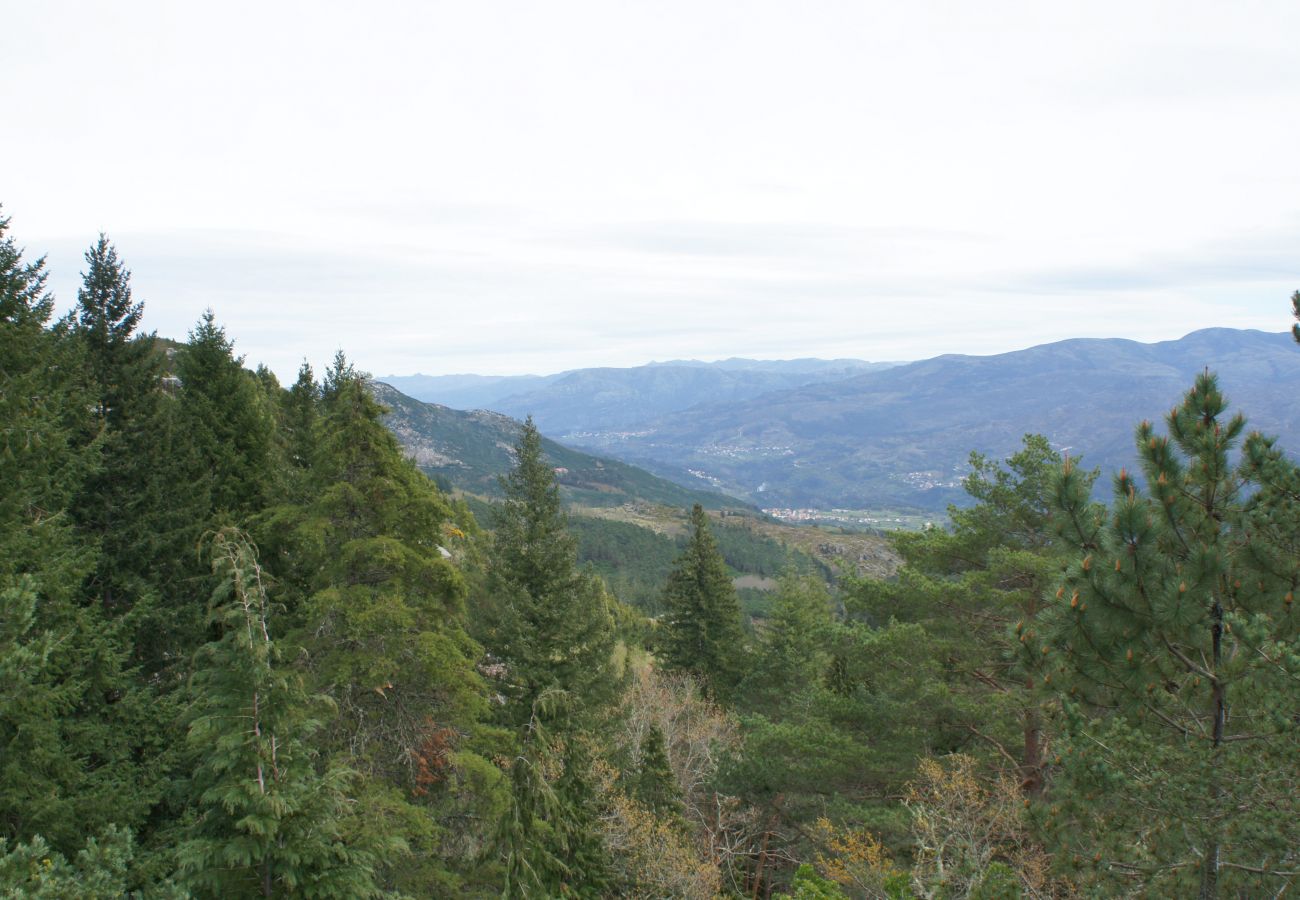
<point x="509" y="187"/>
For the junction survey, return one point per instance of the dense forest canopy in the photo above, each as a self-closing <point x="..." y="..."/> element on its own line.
<point x="248" y="649"/>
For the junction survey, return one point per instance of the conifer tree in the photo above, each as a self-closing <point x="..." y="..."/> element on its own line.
<point x="655" y="786"/>
<point x="1176" y="636"/>
<point x="74" y="728"/>
<point x="969" y="586"/>
<point x="106" y="320"/>
<point x="230" y="423"/>
<point x="702" y="632"/>
<point x="554" y="639"/>
<point x="553" y="630"/>
<point x="268" y="823"/>
<point x="380" y="613"/>
<point x="43" y="461"/>
<point x="121" y="379"/>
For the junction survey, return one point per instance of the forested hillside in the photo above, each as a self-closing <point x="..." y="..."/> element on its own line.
<point x="249" y="649"/>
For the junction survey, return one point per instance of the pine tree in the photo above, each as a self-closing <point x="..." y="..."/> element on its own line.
<point x="703" y="633"/>
<point x="971" y="585"/>
<point x="1176" y="638"/>
<point x="267" y="822"/>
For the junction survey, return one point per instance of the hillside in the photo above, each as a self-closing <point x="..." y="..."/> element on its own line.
<point x="470" y="450"/>
<point x="902" y="436"/>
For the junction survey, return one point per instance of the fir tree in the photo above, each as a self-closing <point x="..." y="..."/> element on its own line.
<point x="703" y="633"/>
<point x="267" y="822"/>
<point x="655" y="786"/>
<point x="106" y="319"/>
<point x="553" y="630"/>
<point x="75" y="730"/>
<point x="1175" y="634"/>
<point x="230" y="422"/>
<point x="554" y="638"/>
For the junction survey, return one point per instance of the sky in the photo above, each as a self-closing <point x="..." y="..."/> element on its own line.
<point x="506" y="187"/>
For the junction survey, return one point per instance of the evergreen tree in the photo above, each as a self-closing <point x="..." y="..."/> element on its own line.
<point x="43" y="461"/>
<point x="553" y="636"/>
<point x="655" y="786"/>
<point x="703" y="633"/>
<point x="792" y="654"/>
<point x="298" y="423"/>
<point x="381" y="615"/>
<point x="76" y="733"/>
<point x="552" y="628"/>
<point x="1176" y="636"/>
<point x="550" y="833"/>
<point x="267" y="822"/>
<point x="970" y="585"/>
<point x="230" y="422"/>
<point x="105" y="319"/>
<point x="122" y="377"/>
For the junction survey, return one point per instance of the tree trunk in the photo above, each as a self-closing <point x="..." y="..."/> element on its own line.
<point x="1218" y="708"/>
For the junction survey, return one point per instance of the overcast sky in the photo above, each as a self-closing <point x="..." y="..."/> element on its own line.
<point x="507" y="187"/>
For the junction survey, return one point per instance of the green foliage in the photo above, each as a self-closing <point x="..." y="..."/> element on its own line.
<point x="35" y="871"/>
<point x="381" y="617"/>
<point x="266" y="821"/>
<point x="654" y="786"/>
<point x="229" y="421"/>
<point x="808" y="885"/>
<point x="1175" y="635"/>
<point x="550" y="625"/>
<point x="973" y="585"/>
<point x="550" y="833"/>
<point x="122" y="368"/>
<point x="702" y="633"/>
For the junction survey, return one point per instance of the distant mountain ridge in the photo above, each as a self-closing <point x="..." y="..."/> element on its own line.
<point x="902" y="436"/>
<point x="581" y="399"/>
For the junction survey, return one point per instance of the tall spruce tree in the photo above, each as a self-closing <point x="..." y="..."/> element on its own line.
<point x="702" y="631"/>
<point x="121" y="368"/>
<point x="553" y="636"/>
<point x="553" y="629"/>
<point x="230" y="421"/>
<point x="1176" y="636"/>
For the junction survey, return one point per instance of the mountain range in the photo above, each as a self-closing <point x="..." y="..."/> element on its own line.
<point x="609" y="397"/>
<point x="900" y="435"/>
